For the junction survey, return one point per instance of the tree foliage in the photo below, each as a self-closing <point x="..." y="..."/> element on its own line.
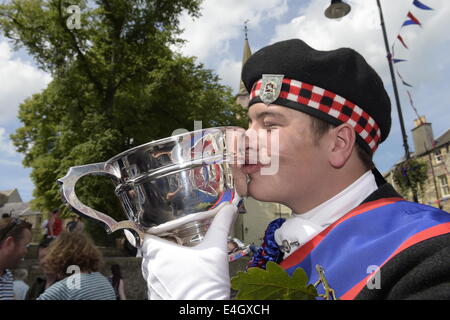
<point x="411" y="176"/>
<point x="273" y="283"/>
<point x="116" y="84"/>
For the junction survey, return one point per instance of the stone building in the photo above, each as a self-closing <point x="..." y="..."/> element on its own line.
<point x="9" y="196"/>
<point x="11" y="203"/>
<point x="435" y="152"/>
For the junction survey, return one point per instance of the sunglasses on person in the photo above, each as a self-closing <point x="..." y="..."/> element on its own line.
<point x="9" y="227"/>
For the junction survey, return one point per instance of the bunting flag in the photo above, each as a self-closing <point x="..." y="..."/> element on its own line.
<point x="399" y="37"/>
<point x="412" y="104"/>
<point x="420" y="5"/>
<point x="412" y="20"/>
<point x="403" y="80"/>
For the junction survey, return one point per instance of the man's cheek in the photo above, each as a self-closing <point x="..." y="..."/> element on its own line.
<point x="270" y="153"/>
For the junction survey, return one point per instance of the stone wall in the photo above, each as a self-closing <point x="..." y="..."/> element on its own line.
<point x="135" y="286"/>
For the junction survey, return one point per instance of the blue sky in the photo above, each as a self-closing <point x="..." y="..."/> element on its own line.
<point x="216" y="38"/>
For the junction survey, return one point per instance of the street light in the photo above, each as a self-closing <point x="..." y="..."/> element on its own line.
<point x="339" y="9"/>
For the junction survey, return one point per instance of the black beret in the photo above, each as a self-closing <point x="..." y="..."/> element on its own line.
<point x="345" y="76"/>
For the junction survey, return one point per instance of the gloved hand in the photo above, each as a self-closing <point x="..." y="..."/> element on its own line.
<point x="184" y="273"/>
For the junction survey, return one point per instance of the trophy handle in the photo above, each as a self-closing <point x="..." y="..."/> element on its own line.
<point x="68" y="183"/>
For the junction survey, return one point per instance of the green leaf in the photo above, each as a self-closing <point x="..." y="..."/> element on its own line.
<point x="274" y="283"/>
<point x="411" y="176"/>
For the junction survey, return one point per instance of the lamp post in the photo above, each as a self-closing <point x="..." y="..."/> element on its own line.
<point x="339" y="9"/>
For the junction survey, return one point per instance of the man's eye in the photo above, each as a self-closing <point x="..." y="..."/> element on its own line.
<point x="269" y="125"/>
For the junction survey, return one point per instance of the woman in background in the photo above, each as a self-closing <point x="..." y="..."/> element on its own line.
<point x="75" y="260"/>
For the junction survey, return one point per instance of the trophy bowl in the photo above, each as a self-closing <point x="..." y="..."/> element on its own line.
<point x="170" y="187"/>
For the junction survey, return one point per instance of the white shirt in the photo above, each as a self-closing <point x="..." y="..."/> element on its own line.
<point x="20" y="289"/>
<point x="300" y="228"/>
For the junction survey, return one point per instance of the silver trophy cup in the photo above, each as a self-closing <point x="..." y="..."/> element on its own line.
<point x="171" y="187"/>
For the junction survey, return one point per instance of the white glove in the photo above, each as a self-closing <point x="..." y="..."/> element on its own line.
<point x="190" y="273"/>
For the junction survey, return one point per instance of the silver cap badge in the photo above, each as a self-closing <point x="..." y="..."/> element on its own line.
<point x="270" y="87"/>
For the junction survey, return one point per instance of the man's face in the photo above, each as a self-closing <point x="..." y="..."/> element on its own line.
<point x="17" y="249"/>
<point x="301" y="162"/>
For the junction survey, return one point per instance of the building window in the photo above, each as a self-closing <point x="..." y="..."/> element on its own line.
<point x="444" y="185"/>
<point x="438" y="156"/>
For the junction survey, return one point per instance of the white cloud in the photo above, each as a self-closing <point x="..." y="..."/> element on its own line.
<point x="230" y="73"/>
<point x="6" y="146"/>
<point x="221" y="21"/>
<point x="428" y="46"/>
<point x="20" y="80"/>
<point x="6" y="162"/>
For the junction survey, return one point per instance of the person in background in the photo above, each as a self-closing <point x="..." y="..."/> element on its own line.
<point x="117" y="282"/>
<point x="55" y="225"/>
<point x="49" y="278"/>
<point x="20" y="287"/>
<point x="76" y="261"/>
<point x="79" y="227"/>
<point x="44" y="228"/>
<point x="70" y="226"/>
<point x="15" y="235"/>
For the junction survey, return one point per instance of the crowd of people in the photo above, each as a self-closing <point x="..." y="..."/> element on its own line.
<point x="69" y="262"/>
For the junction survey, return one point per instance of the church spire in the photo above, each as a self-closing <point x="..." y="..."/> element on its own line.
<point x="243" y="95"/>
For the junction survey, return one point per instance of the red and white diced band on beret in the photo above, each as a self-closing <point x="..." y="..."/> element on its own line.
<point x="322" y="100"/>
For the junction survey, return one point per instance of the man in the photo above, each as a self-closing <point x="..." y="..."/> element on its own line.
<point x="70" y="226"/>
<point x="79" y="227"/>
<point x="55" y="225"/>
<point x="330" y="112"/>
<point x="15" y="235"/>
<point x="49" y="278"/>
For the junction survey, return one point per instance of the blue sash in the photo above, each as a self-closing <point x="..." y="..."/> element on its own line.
<point x="365" y="238"/>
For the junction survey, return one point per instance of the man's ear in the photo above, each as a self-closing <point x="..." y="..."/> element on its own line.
<point x="8" y="243"/>
<point x="342" y="141"/>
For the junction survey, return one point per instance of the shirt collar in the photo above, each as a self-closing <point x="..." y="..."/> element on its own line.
<point x="301" y="228"/>
<point x="349" y="198"/>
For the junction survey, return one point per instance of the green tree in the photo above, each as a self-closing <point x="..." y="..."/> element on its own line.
<point x="116" y="84"/>
<point x="411" y="176"/>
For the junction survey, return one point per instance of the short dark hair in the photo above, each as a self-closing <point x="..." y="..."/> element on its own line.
<point x="320" y="127"/>
<point x="56" y="210"/>
<point x="13" y="227"/>
<point x="5" y="215"/>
